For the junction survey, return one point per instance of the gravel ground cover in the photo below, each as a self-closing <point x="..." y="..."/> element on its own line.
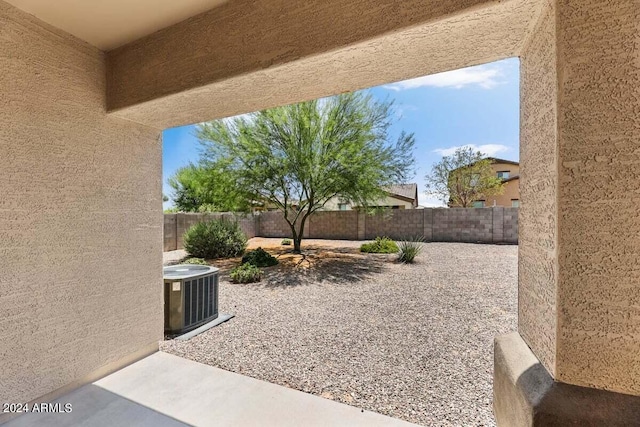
<point x="409" y="341"/>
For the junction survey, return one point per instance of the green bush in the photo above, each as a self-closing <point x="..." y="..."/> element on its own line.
<point x="198" y="261"/>
<point x="215" y="239"/>
<point x="259" y="258"/>
<point x="246" y="273"/>
<point x="382" y="245"/>
<point x="410" y="249"/>
<point x="286" y="242"/>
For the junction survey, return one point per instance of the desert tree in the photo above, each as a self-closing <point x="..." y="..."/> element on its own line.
<point x="196" y="188"/>
<point x="300" y="156"/>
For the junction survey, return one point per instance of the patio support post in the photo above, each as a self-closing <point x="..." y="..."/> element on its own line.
<point x="576" y="358"/>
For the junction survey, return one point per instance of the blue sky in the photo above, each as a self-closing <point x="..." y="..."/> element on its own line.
<point x="476" y="106"/>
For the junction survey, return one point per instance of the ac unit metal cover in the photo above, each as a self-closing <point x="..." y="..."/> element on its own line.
<point x="190" y="297"/>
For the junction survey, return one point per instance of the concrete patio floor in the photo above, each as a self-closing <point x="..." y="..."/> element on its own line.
<point x="164" y="390"/>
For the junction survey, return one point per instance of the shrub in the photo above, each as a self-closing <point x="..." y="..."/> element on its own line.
<point x="259" y="258"/>
<point x="382" y="245"/>
<point x="215" y="239"/>
<point x="246" y="273"/>
<point x="198" y="261"/>
<point x="286" y="242"/>
<point x="410" y="249"/>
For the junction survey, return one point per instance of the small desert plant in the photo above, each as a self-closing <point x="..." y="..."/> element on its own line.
<point x="382" y="245"/>
<point x="215" y="239"/>
<point x="198" y="261"/>
<point x="246" y="273"/>
<point x="410" y="249"/>
<point x="259" y="258"/>
<point x="286" y="242"/>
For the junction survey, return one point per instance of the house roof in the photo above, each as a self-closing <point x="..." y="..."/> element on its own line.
<point x="407" y="191"/>
<point x="497" y="160"/>
<point x="493" y="160"/>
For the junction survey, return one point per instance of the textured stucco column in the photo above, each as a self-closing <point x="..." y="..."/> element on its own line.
<point x="579" y="222"/>
<point x="80" y="218"/>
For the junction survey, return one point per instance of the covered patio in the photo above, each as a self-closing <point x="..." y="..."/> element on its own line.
<point x="86" y="92"/>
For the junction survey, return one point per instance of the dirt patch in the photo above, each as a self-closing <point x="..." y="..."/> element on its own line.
<point x="318" y="262"/>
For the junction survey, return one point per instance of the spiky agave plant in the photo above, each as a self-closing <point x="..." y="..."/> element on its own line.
<point x="409" y="249"/>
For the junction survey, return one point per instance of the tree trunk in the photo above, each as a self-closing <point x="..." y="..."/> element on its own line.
<point x="297" y="238"/>
<point x="297" y="244"/>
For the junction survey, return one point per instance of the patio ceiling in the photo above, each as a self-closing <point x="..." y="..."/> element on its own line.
<point x="113" y="23"/>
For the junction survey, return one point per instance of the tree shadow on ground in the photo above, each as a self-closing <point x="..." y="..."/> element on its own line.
<point x="319" y="267"/>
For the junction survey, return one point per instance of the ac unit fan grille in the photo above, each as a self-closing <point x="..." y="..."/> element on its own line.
<point x="199" y="300"/>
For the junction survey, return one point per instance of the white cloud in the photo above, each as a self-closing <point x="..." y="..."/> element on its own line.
<point x="484" y="76"/>
<point x="487" y="149"/>
<point x="430" y="202"/>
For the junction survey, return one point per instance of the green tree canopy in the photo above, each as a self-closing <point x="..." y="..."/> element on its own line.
<point x="300" y="156"/>
<point x="464" y="177"/>
<point x="197" y="188"/>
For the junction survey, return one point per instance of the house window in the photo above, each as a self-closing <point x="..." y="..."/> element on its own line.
<point x="342" y="206"/>
<point x="515" y="203"/>
<point x="478" y="204"/>
<point x="503" y="174"/>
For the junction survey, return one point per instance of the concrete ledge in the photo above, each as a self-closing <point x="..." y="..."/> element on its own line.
<point x="524" y="394"/>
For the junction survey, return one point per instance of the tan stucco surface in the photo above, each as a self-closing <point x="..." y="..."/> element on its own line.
<point x="513" y="169"/>
<point x="112" y="23"/>
<point x="598" y="194"/>
<point x="238" y="59"/>
<point x="511" y="189"/>
<point x="80" y="216"/>
<point x="332" y="204"/>
<point x="537" y="252"/>
<point x="579" y="223"/>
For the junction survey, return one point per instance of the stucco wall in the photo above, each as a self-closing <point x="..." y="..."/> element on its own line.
<point x="81" y="216"/>
<point x="513" y="169"/>
<point x="511" y="192"/>
<point x="537" y="251"/>
<point x="598" y="197"/>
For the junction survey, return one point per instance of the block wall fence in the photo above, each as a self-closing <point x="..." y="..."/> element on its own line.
<point x="481" y="225"/>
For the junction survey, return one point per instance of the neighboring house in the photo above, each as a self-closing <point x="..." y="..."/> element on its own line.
<point x="509" y="171"/>
<point x="270" y="206"/>
<point x="399" y="196"/>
